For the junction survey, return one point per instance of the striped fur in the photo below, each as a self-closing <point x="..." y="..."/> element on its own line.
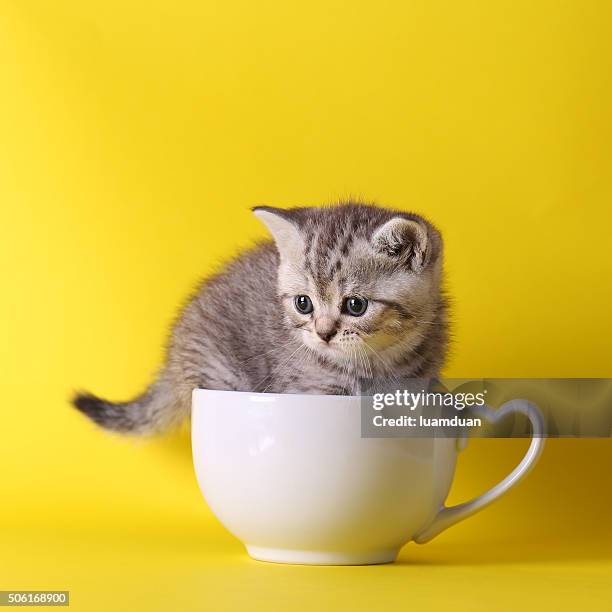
<point x="241" y="330"/>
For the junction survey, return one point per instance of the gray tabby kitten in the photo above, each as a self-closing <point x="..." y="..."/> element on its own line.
<point x="345" y="295"/>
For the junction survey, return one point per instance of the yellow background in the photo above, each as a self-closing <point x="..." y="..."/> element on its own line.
<point x="134" y="137"/>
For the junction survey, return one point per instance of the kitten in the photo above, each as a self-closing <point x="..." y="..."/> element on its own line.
<point x="344" y="295"/>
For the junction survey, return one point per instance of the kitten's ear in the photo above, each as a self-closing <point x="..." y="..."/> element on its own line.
<point x="402" y="239"/>
<point x="284" y="231"/>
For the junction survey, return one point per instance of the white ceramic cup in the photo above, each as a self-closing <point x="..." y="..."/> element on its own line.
<point x="292" y="478"/>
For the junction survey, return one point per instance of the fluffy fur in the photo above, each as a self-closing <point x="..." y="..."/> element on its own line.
<point x="241" y="330"/>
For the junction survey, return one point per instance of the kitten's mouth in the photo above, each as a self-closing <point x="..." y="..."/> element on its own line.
<point x="341" y="350"/>
<point x="326" y="346"/>
<point x="338" y="349"/>
<point x="317" y="344"/>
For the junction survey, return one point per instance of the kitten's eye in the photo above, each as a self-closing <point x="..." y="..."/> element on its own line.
<point x="303" y="304"/>
<point x="355" y="306"/>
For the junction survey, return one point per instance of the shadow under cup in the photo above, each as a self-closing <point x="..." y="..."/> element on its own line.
<point x="292" y="478"/>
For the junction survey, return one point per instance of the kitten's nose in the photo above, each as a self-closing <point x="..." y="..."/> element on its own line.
<point x="327" y="335"/>
<point x="326" y="329"/>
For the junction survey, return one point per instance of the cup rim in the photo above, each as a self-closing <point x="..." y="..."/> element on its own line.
<point x="263" y="397"/>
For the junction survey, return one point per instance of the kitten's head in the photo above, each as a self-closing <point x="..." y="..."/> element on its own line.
<point x="357" y="279"/>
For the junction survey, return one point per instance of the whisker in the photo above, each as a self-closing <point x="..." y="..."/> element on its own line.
<point x="301" y="360"/>
<point x="277" y="370"/>
<point x="386" y="366"/>
<point x="361" y="360"/>
<point x="369" y="364"/>
<point x="353" y="364"/>
<point x="346" y="368"/>
<point x="276" y="348"/>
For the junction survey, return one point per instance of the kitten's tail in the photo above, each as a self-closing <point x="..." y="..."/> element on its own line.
<point x="156" y="410"/>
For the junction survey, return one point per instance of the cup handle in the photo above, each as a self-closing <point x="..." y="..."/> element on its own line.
<point x="448" y="516"/>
